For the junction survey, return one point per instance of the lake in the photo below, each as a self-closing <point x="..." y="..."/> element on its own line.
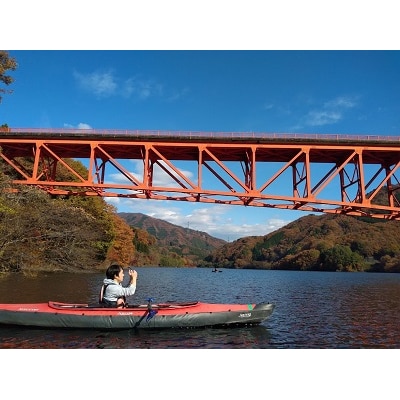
<point x="314" y="310"/>
<point x="357" y="313"/>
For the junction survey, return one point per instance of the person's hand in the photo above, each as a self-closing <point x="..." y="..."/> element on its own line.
<point x="132" y="274"/>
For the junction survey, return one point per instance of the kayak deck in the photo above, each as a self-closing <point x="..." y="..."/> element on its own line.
<point x="171" y="305"/>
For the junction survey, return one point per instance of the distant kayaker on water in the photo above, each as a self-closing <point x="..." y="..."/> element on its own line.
<point x="112" y="293"/>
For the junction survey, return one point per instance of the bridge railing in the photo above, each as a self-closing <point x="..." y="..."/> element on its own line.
<point x="200" y="134"/>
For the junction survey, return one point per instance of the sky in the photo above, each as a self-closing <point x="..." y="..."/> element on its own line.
<point x="311" y="91"/>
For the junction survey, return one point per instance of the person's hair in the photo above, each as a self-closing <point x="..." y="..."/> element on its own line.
<point x="113" y="270"/>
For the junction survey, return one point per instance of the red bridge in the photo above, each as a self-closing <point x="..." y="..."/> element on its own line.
<point x="342" y="174"/>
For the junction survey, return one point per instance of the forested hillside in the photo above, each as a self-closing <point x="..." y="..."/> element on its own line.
<point x="39" y="233"/>
<point x="326" y="243"/>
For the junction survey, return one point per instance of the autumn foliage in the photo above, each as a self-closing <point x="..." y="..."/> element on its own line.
<point x="318" y="243"/>
<point x="7" y="63"/>
<point x="39" y="233"/>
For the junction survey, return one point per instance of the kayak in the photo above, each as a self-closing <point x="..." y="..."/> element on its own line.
<point x="141" y="316"/>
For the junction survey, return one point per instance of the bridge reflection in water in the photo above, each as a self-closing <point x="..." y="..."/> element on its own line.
<point x="341" y="174"/>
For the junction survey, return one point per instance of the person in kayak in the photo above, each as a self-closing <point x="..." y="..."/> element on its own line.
<point x="112" y="293"/>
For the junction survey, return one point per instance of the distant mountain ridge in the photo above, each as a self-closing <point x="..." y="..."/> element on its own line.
<point x="181" y="244"/>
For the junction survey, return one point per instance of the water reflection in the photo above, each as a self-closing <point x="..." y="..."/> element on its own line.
<point x="211" y="338"/>
<point x="63" y="287"/>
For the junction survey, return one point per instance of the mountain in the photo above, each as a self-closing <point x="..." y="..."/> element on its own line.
<point x="323" y="243"/>
<point x="161" y="243"/>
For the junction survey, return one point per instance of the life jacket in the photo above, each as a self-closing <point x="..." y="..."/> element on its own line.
<point x="101" y="294"/>
<point x="106" y="303"/>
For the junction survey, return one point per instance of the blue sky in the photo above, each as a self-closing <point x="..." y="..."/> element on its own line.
<point x="345" y="92"/>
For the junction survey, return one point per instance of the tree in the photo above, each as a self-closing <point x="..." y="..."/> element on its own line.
<point x="6" y="63"/>
<point x="40" y="233"/>
<point x="122" y="248"/>
<point x="340" y="257"/>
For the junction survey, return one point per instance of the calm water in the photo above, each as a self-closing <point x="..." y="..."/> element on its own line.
<point x="314" y="310"/>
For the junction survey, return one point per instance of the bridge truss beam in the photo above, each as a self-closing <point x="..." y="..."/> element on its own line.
<point x="306" y="175"/>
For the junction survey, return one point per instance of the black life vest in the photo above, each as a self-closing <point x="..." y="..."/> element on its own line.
<point x="106" y="303"/>
<point x="101" y="294"/>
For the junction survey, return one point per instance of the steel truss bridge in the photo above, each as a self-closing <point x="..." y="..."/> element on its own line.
<point x="340" y="174"/>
